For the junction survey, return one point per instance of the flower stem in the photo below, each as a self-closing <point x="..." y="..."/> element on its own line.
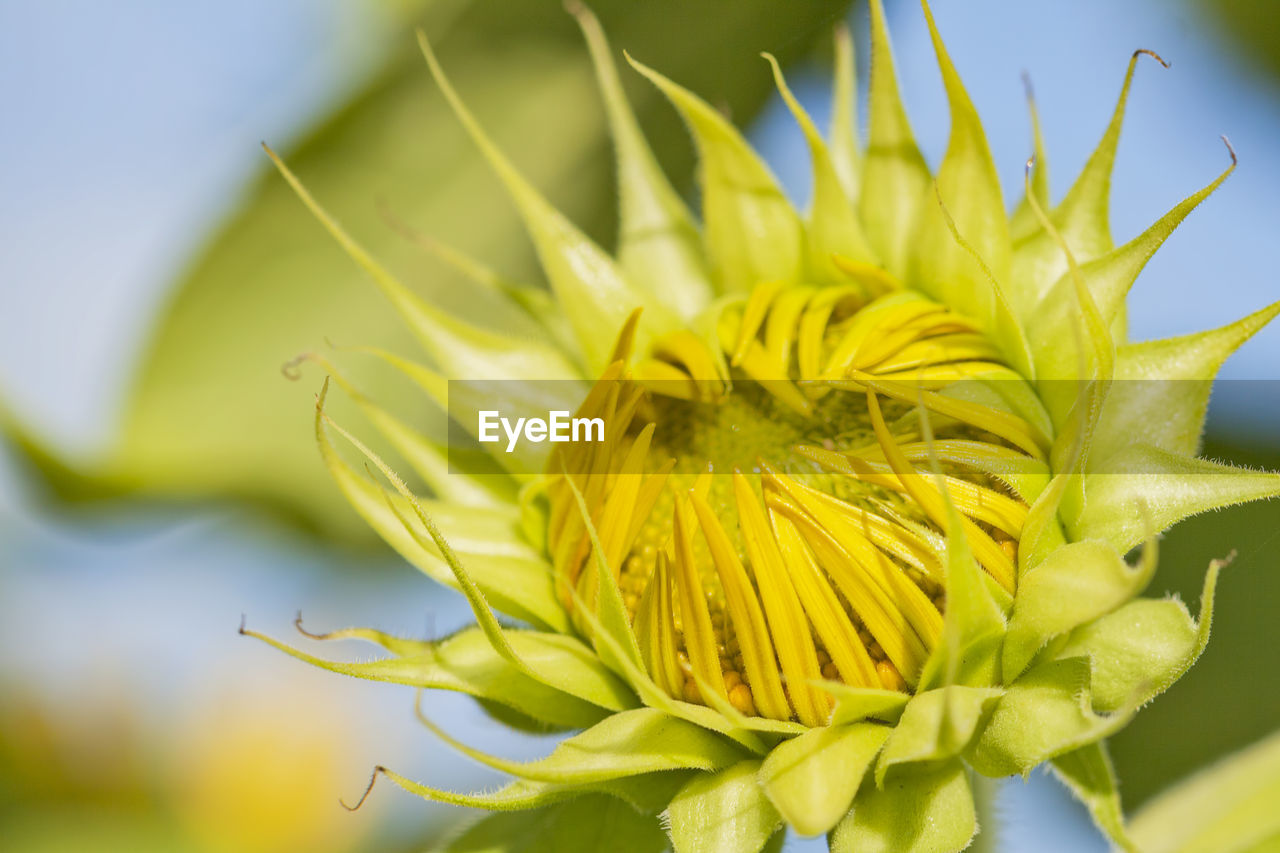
<point x="985" y="791"/>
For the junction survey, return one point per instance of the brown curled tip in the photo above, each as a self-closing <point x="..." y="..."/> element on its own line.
<point x="1151" y="53"/>
<point x="297" y="623"/>
<point x="241" y="630"/>
<point x="290" y="369"/>
<point x="575" y="7"/>
<point x="365" y="795"/>
<point x="1223" y="562"/>
<point x="1234" y="161"/>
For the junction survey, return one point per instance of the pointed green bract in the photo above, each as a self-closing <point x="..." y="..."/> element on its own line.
<point x="832" y="227"/>
<point x="1023" y="221"/>
<point x="658" y="242"/>
<point x="811" y="779"/>
<point x="752" y="233"/>
<point x="1082" y="219"/>
<point x="845" y="156"/>
<point x="462" y="349"/>
<point x="1075" y="584"/>
<point x="1087" y="771"/>
<point x="1044" y="714"/>
<point x="917" y="811"/>
<point x="969" y="188"/>
<point x="590" y="288"/>
<point x="466" y="663"/>
<point x="936" y="724"/>
<point x="894" y="175"/>
<point x="1138" y="651"/>
<point x="628" y="743"/>
<point x="1162" y="387"/>
<point x="722" y="811"/>
<point x="1169" y="486"/>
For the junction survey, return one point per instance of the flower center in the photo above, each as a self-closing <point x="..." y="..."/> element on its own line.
<point x="788" y="525"/>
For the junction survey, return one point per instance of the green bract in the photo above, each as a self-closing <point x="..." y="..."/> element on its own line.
<point x="842" y="658"/>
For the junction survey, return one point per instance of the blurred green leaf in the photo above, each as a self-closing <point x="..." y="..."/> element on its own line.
<point x="593" y="822"/>
<point x="1253" y="24"/>
<point x="210" y="414"/>
<point x="1229" y="808"/>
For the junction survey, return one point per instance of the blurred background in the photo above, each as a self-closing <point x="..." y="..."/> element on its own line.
<point x="161" y="479"/>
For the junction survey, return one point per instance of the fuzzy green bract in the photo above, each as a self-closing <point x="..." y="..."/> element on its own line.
<point x="1039" y="677"/>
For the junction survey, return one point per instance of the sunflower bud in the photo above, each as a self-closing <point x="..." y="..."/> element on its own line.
<point x="853" y="533"/>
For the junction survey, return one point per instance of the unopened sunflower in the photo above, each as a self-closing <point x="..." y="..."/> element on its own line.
<point x="846" y="532"/>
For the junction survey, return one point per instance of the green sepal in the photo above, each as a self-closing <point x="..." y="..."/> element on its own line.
<point x="967" y="184"/>
<point x="1144" y="647"/>
<point x="1044" y="714"/>
<point x="752" y="232"/>
<point x="659" y="247"/>
<point x="648" y="793"/>
<point x="590" y="822"/>
<point x="460" y="348"/>
<point x="466" y="663"/>
<point x="589" y="287"/>
<point x="1088" y="773"/>
<point x="626" y="743"/>
<point x="895" y="177"/>
<point x="919" y="810"/>
<point x="936" y="725"/>
<point x="1075" y="584"/>
<point x="832" y="227"/>
<point x="1162" y="387"/>
<point x="1145" y="487"/>
<point x="812" y="779"/>
<point x="722" y="811"/>
<point x="1228" y="808"/>
<point x="855" y="704"/>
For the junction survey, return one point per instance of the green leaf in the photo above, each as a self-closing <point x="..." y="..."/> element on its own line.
<point x="1042" y="715"/>
<point x="1075" y="584"/>
<point x="628" y="743"/>
<point x="1147" y="487"/>
<point x="894" y="175"/>
<point x="1228" y="808"/>
<point x="752" y="233"/>
<point x="935" y="725"/>
<point x="811" y="779"/>
<point x="592" y="822"/>
<point x="722" y="811"/>
<point x="1142" y="648"/>
<point x="466" y="663"/>
<point x="1087" y="771"/>
<point x="919" y="810"/>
